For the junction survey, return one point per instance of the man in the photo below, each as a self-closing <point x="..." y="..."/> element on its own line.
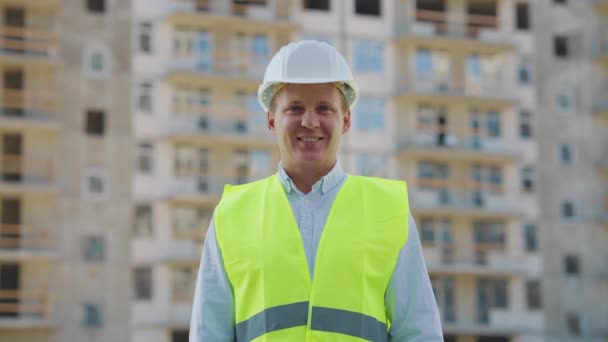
<point x="311" y="253"/>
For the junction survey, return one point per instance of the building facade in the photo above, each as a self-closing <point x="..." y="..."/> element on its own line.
<point x="66" y="170"/>
<point x="121" y="121"/>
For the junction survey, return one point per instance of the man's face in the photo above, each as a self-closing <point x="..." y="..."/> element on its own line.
<point x="309" y="120"/>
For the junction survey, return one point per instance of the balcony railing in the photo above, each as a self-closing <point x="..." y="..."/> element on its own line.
<point x="261" y="10"/>
<point x="484" y="258"/>
<point x="31" y="304"/>
<point x="202" y="185"/>
<point x="213" y="125"/>
<point x="438" y="193"/>
<point x="38" y="105"/>
<point x="25" y="238"/>
<point x="429" y="23"/>
<point x="13" y="169"/>
<point x="28" y="41"/>
<point x="223" y="63"/>
<point x="448" y="142"/>
<point x="442" y="84"/>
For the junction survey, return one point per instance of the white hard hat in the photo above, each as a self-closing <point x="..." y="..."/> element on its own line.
<point x="307" y="61"/>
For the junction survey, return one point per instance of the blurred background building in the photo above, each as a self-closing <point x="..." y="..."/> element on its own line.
<point x="122" y="120"/>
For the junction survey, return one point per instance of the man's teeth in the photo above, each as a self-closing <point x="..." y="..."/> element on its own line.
<point x="312" y="139"/>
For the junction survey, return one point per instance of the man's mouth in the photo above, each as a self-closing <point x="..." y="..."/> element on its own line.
<point x="309" y="139"/>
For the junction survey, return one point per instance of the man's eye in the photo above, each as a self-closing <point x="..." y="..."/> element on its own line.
<point x="325" y="108"/>
<point x="294" y="109"/>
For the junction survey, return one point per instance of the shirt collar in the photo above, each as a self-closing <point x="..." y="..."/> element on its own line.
<point x="326" y="183"/>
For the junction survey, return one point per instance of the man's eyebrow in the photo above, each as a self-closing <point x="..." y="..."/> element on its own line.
<point x="295" y="102"/>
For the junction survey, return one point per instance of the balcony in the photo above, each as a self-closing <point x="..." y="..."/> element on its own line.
<point x="474" y="91"/>
<point x="432" y="197"/>
<point x="433" y="29"/>
<point x="199" y="189"/>
<point x="22" y="242"/>
<point x="226" y="67"/>
<point x="257" y="14"/>
<point x="25" y="309"/>
<point x="188" y="252"/>
<point x="28" y="110"/>
<point x="231" y="131"/>
<point x="500" y="322"/>
<point x="485" y="259"/>
<point x="446" y="146"/>
<point x="28" y="46"/>
<point x="19" y="177"/>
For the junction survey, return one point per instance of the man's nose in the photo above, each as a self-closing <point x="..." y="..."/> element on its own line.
<point x="310" y="119"/>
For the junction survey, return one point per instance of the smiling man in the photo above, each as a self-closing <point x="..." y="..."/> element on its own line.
<point x="312" y="253"/>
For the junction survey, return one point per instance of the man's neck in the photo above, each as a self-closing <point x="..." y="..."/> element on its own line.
<point x="305" y="177"/>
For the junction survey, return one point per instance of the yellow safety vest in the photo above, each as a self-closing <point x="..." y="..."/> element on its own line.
<point x="275" y="298"/>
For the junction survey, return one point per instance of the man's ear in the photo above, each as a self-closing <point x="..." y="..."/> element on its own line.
<point x="346" y="119"/>
<point x="270" y="120"/>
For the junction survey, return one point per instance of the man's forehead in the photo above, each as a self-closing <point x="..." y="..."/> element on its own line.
<point x="326" y="91"/>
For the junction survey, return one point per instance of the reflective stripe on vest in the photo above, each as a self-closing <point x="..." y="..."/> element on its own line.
<point x="275" y="298"/>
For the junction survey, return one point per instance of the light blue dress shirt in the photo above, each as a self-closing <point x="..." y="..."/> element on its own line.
<point x="409" y="298"/>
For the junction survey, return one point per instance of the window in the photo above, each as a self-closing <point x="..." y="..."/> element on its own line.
<point x="428" y="172"/>
<point x="95" y="122"/>
<point x="190" y="161"/>
<point x="443" y="287"/>
<point x="145" y="158"/>
<point x="179" y="335"/>
<point x="533" y="295"/>
<point x="260" y="162"/>
<point x="144" y="100"/>
<point x="568" y="211"/>
<point x="183" y="284"/>
<point x="491" y="293"/>
<point x="95" y="184"/>
<point x="368" y="7"/>
<point x="144" y="221"/>
<point x="94" y="249"/>
<point x="525" y="74"/>
<point x="565" y="154"/>
<point x="571" y="265"/>
<point x="371" y="165"/>
<point x="143" y="283"/>
<point x="530" y="237"/>
<point x="493" y="124"/>
<point x="96" y="61"/>
<point x="527" y="179"/>
<point x="369" y="56"/>
<point x="423" y="63"/>
<point x="522" y="16"/>
<point x="145" y="37"/>
<point x="322" y="5"/>
<point x="565" y="100"/>
<point x="260" y="50"/>
<point x="560" y="47"/>
<point x="573" y="320"/>
<point x="96" y="6"/>
<point x="369" y="115"/>
<point x="525" y="125"/>
<point x="189" y="220"/>
<point x="93" y="315"/>
<point x="203" y="50"/>
<point x="427" y="231"/>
